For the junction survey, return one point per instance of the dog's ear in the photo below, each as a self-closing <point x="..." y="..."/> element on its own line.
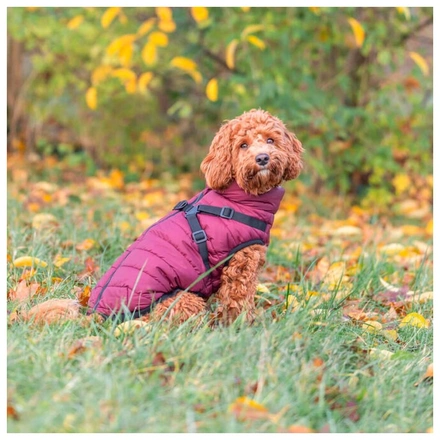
<point x="217" y="165"/>
<point x="294" y="150"/>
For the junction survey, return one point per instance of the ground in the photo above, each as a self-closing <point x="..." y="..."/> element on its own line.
<point x="343" y="339"/>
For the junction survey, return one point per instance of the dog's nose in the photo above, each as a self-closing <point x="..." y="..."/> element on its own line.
<point x="262" y="159"/>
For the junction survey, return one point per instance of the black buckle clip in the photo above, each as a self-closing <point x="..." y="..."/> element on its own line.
<point x="199" y="236"/>
<point x="181" y="205"/>
<point x="227" y="212"/>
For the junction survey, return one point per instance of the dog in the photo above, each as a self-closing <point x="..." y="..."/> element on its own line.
<point x="209" y="249"/>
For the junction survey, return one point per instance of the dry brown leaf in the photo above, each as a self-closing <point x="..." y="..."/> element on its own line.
<point x="83" y="344"/>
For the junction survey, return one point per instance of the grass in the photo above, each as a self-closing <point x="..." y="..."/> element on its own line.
<point x="307" y="365"/>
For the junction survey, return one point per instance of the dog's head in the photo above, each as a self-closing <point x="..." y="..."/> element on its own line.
<point x="256" y="150"/>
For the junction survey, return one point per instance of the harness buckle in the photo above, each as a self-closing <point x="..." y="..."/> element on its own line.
<point x="199" y="236"/>
<point x="181" y="205"/>
<point x="193" y="210"/>
<point x="227" y="212"/>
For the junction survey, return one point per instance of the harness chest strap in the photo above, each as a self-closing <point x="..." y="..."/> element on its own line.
<point x="198" y="233"/>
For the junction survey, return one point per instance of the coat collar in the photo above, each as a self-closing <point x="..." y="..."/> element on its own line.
<point x="269" y="202"/>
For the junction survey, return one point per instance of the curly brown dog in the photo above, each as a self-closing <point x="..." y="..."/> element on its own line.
<point x="210" y="247"/>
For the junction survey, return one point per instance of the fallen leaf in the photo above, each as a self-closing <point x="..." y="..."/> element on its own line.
<point x="86" y="245"/>
<point x="83" y="344"/>
<point x="28" y="261"/>
<point x="24" y="292"/>
<point x="299" y="429"/>
<point x="90" y="268"/>
<point x="42" y="220"/>
<point x="428" y="377"/>
<point x="414" y="319"/>
<point x="83" y="295"/>
<point x="245" y="408"/>
<point x="384" y="355"/>
<point x="129" y="327"/>
<point x="347" y="231"/>
<point x="372" y="326"/>
<point x="60" y="261"/>
<point x="12" y="412"/>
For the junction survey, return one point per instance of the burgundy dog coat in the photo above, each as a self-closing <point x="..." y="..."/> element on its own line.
<point x="171" y="254"/>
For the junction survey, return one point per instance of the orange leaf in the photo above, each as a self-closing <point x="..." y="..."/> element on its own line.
<point x="83" y="344"/>
<point x="86" y="245"/>
<point x="24" y="292"/>
<point x="83" y="296"/>
<point x="247" y="409"/>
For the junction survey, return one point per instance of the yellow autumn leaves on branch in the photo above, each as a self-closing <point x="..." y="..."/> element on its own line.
<point x="152" y="36"/>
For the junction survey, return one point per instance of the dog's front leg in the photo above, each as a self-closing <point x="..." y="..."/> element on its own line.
<point x="238" y="284"/>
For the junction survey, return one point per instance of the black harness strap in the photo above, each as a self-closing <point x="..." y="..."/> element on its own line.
<point x="199" y="235"/>
<point x="231" y="214"/>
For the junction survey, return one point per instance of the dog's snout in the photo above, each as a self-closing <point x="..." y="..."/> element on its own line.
<point x="262" y="159"/>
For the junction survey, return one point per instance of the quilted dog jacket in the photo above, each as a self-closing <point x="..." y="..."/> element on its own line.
<point x="174" y="252"/>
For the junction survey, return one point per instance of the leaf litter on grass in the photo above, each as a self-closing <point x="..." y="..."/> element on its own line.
<point x="367" y="270"/>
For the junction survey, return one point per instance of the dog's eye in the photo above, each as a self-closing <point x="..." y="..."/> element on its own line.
<point x="244" y="145"/>
<point x="270" y="141"/>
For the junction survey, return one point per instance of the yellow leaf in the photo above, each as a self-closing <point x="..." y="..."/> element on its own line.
<point x="146" y="26"/>
<point x="230" y="53"/>
<point x="429" y="227"/>
<point x="144" y="80"/>
<point x="129" y="327"/>
<point x="421" y="297"/>
<point x="391" y="249"/>
<point x="131" y="86"/>
<point x="212" y="90"/>
<point x="123" y="18"/>
<point x="358" y="31"/>
<point x="372" y="326"/>
<point x="251" y="29"/>
<point x="100" y="73"/>
<point x="390" y="334"/>
<point x="158" y="38"/>
<point x="315" y="10"/>
<point x="183" y="63"/>
<point x="28" y="261"/>
<point x="75" y="22"/>
<point x="199" y="14"/>
<point x="92" y="98"/>
<point x="404" y="11"/>
<point x="401" y="182"/>
<point x="415" y="320"/>
<point x="59" y="261"/>
<point x="164" y="14"/>
<point x="335" y="275"/>
<point x="167" y="26"/>
<point x="124" y="74"/>
<point x="421" y="62"/>
<point x="149" y="53"/>
<point x="108" y="16"/>
<point x="291" y="303"/>
<point x="116" y="45"/>
<point x="383" y="355"/>
<point x="196" y="76"/>
<point x="261" y="288"/>
<point x="245" y="8"/>
<point x="125" y="55"/>
<point x="42" y="220"/>
<point x="256" y="42"/>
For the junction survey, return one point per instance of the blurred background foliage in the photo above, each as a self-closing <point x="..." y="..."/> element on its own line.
<point x="145" y="89"/>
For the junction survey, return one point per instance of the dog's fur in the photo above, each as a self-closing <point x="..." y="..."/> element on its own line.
<point x="232" y="156"/>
